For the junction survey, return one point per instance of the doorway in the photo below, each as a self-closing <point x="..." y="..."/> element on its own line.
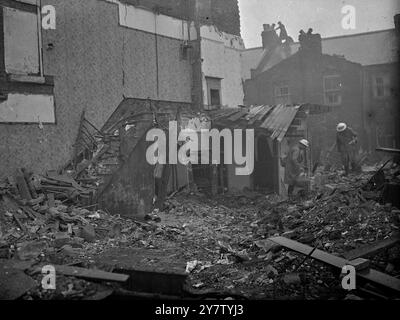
<point x="263" y="176"/>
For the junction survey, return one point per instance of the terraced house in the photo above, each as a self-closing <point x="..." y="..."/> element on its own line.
<point x="105" y="61"/>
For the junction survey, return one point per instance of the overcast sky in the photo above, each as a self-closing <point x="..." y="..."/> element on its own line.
<point x="324" y="16"/>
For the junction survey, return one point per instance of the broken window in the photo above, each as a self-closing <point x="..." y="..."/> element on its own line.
<point x="282" y="94"/>
<point x="332" y="90"/>
<point x="214" y="91"/>
<point x="381" y="86"/>
<point x="22" y="51"/>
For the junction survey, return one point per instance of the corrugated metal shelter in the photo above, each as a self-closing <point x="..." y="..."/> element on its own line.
<point x="272" y="124"/>
<point x="275" y="119"/>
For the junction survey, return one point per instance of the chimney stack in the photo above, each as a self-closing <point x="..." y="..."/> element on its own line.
<point x="310" y="43"/>
<point x="270" y="39"/>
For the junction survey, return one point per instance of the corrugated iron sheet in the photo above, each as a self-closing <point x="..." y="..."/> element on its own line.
<point x="279" y="120"/>
<point x="275" y="119"/>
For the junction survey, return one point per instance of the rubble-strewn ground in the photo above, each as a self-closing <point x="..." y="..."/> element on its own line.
<point x="222" y="241"/>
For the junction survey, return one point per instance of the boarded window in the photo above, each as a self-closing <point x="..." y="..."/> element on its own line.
<point x="332" y="90"/>
<point x="27" y="108"/>
<point x="21" y="42"/>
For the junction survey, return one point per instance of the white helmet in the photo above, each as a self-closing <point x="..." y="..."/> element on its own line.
<point x="305" y="143"/>
<point x="341" y="127"/>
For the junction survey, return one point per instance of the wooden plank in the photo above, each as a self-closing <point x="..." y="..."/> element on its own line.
<point x="369" y="275"/>
<point x="22" y="185"/>
<point x="90" y="274"/>
<point x="390" y="150"/>
<point x="372" y="249"/>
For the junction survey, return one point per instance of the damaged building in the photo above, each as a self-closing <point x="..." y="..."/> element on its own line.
<point x="84" y="213"/>
<point x="355" y="74"/>
<point x="139" y="54"/>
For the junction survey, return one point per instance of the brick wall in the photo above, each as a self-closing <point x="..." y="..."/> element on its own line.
<point x="95" y="64"/>
<point x="304" y="76"/>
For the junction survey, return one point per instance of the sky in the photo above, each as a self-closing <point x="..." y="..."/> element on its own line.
<point x="324" y="16"/>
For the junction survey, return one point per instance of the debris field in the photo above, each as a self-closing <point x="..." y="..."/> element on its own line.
<point x="223" y="246"/>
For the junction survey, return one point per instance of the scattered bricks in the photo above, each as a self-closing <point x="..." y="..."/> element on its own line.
<point x="308" y="238"/>
<point x="268" y="245"/>
<point x="291" y="278"/>
<point x="88" y="233"/>
<point x="61" y="239"/>
<point x="50" y="200"/>
<point x="77" y="242"/>
<point x="389" y="268"/>
<point x="334" y="235"/>
<point x="68" y="250"/>
<point x="14" y="283"/>
<point x="62" y="208"/>
<point x="360" y="264"/>
<point x="4" y="253"/>
<point x="115" y="231"/>
<point x="36" y="201"/>
<point x="289" y="234"/>
<point x="396" y="212"/>
<point x="31" y="250"/>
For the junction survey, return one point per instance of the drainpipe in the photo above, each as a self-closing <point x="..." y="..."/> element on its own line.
<point x="197" y="75"/>
<point x="366" y="131"/>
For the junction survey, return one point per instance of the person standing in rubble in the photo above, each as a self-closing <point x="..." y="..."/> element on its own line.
<point x="294" y="166"/>
<point x="346" y="141"/>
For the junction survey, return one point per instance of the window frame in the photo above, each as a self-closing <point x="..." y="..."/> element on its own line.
<point x="332" y="91"/>
<point x="29" y="7"/>
<point x="278" y="93"/>
<point x="24" y="83"/>
<point x="385" y="85"/>
<point x="214" y="83"/>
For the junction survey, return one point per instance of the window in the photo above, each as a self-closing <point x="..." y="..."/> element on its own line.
<point x="21" y="32"/>
<point x="381" y="86"/>
<point x="26" y="94"/>
<point x="282" y="94"/>
<point x="215" y="97"/>
<point x="214" y="91"/>
<point x="332" y="90"/>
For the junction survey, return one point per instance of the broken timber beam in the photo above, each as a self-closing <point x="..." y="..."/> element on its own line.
<point x="370" y="275"/>
<point x="372" y="249"/>
<point x="89" y="274"/>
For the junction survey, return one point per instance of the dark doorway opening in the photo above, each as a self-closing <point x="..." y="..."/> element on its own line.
<point x="263" y="176"/>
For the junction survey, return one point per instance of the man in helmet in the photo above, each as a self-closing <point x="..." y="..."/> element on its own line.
<point x="346" y="141"/>
<point x="294" y="165"/>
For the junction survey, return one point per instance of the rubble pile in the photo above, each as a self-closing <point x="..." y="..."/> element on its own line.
<point x="224" y="239"/>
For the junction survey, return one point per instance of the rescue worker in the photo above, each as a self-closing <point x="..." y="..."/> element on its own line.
<point x="346" y="140"/>
<point x="294" y="166"/>
<point x="283" y="36"/>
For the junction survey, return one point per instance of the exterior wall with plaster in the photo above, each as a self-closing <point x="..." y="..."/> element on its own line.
<point x="221" y="53"/>
<point x="95" y="62"/>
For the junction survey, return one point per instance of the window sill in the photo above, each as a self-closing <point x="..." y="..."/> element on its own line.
<point x="26" y="78"/>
